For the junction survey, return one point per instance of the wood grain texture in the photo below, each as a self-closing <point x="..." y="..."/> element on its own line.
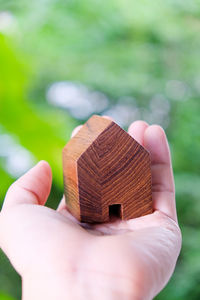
<point x="103" y="166"/>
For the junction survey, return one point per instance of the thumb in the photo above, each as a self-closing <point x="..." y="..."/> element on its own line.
<point x="32" y="188"/>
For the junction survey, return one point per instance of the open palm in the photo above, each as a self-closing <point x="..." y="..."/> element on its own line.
<point x="119" y="260"/>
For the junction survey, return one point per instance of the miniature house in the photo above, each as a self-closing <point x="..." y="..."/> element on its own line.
<point x="106" y="172"/>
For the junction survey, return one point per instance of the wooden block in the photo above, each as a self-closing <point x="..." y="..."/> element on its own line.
<point x="106" y="172"/>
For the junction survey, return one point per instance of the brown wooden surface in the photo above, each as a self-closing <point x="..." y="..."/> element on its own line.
<point x="103" y="166"/>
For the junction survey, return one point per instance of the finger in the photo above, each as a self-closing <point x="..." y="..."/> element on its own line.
<point x="162" y="175"/>
<point x="32" y="188"/>
<point x="64" y="210"/>
<point x="62" y="204"/>
<point x="76" y="130"/>
<point x="137" y="129"/>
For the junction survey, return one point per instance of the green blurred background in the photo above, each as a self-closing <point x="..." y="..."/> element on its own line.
<point x="63" y="60"/>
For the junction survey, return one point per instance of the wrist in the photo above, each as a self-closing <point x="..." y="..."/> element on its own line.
<point x="51" y="288"/>
<point x="60" y="287"/>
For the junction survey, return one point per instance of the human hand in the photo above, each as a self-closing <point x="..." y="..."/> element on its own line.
<point x="58" y="258"/>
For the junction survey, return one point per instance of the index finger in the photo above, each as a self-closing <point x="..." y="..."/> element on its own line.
<point x="162" y="174"/>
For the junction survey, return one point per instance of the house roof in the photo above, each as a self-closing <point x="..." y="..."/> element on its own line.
<point x="90" y="132"/>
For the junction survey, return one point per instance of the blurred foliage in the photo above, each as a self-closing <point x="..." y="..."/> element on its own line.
<point x="121" y="48"/>
<point x="5" y="297"/>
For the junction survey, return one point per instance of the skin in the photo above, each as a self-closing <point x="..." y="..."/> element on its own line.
<point x="58" y="258"/>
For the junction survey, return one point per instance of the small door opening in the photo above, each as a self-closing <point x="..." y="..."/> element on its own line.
<point x="115" y="211"/>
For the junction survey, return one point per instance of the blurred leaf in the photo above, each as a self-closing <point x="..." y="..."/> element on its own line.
<point x="5" y="183"/>
<point x="10" y="282"/>
<point x="35" y="129"/>
<point x="5" y="297"/>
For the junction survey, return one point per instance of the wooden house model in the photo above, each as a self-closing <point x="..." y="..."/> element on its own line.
<point x="106" y="173"/>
